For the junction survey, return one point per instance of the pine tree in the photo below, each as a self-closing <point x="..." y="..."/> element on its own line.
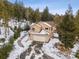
<point x="45" y="15"/>
<point x="57" y="19"/>
<point x="19" y="11"/>
<point x="36" y="15"/>
<point x="30" y="14"/>
<point x="77" y="23"/>
<point x="67" y="28"/>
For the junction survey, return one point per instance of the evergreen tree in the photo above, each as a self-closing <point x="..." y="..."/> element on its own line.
<point x="45" y="15"/>
<point x="67" y="28"/>
<point x="30" y="14"/>
<point x="77" y="23"/>
<point x="36" y="15"/>
<point x="57" y="18"/>
<point x="19" y="11"/>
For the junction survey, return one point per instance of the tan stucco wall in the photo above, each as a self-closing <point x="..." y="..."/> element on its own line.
<point x="41" y="38"/>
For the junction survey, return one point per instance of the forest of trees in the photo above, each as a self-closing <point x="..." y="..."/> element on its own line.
<point x="67" y="24"/>
<point x="17" y="10"/>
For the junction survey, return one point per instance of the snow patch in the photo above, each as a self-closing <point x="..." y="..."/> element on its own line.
<point x="15" y="53"/>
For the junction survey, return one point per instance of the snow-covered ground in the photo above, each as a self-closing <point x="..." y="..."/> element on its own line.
<point x="21" y="24"/>
<point x="25" y="48"/>
<point x="17" y="50"/>
<point x="22" y="46"/>
<point x="75" y="49"/>
<point x="5" y="33"/>
<point x="9" y="30"/>
<point x="13" y="23"/>
<point x="52" y="51"/>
